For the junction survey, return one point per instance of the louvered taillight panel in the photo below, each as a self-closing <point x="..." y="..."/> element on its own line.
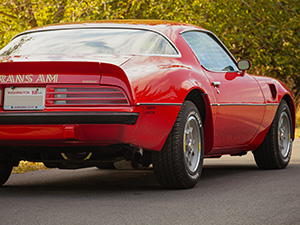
<point x="79" y="96"/>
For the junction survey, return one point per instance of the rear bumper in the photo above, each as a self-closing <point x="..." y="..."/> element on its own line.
<point x="128" y="118"/>
<point x="93" y="127"/>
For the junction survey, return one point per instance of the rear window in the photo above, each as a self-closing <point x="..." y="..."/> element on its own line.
<point x="114" y="41"/>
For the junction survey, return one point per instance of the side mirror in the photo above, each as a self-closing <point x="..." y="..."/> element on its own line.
<point x="244" y="65"/>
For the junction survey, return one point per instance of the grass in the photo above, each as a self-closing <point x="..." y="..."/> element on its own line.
<point x="297" y="132"/>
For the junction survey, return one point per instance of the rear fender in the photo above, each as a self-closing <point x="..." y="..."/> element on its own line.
<point x="114" y="75"/>
<point x="161" y="96"/>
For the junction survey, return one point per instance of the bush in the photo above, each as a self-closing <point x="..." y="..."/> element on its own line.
<point x="25" y="166"/>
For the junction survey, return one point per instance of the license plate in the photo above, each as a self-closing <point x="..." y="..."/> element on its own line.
<point x="20" y="98"/>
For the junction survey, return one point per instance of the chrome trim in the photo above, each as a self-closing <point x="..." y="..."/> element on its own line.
<point x="216" y="83"/>
<point x="243" y="104"/>
<point x="272" y="104"/>
<point x="157" y="55"/>
<point x="175" y="104"/>
<point x="94" y="26"/>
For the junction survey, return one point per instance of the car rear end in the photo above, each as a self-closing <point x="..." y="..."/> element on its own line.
<point x="61" y="103"/>
<point x="58" y="112"/>
<point x="66" y="101"/>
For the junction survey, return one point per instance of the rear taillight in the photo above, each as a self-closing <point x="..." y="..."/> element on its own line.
<point x="74" y="96"/>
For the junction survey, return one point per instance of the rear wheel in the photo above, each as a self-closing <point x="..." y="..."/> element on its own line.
<point x="275" y="151"/>
<point x="179" y="163"/>
<point x="5" y="171"/>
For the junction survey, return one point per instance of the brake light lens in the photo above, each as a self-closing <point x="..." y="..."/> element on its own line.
<point x="74" y="96"/>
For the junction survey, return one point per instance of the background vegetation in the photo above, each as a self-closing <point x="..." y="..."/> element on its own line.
<point x="25" y="166"/>
<point x="265" y="31"/>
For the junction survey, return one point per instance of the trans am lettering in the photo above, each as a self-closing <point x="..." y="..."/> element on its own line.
<point x="29" y="78"/>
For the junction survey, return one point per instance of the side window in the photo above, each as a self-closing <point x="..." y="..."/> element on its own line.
<point x="210" y="54"/>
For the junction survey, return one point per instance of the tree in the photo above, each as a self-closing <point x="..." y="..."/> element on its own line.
<point x="264" y="31"/>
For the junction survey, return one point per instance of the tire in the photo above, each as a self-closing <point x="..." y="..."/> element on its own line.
<point x="5" y="171"/>
<point x="179" y="164"/>
<point x="275" y="151"/>
<point x="106" y="166"/>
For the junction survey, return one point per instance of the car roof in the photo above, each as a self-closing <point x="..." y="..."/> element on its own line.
<point x="165" y="27"/>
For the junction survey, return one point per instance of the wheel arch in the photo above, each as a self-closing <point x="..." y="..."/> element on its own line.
<point x="200" y="99"/>
<point x="291" y="105"/>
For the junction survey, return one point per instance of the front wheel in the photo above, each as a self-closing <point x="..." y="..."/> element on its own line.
<point x="179" y="163"/>
<point x="275" y="151"/>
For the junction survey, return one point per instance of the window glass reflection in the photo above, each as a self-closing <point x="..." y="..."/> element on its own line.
<point x="210" y="54"/>
<point x="90" y="41"/>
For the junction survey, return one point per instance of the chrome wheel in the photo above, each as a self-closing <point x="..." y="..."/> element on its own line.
<point x="192" y="144"/>
<point x="284" y="134"/>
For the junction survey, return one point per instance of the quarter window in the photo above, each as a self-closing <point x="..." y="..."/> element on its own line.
<point x="210" y="53"/>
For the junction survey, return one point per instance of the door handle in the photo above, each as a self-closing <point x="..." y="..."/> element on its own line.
<point x="216" y="83"/>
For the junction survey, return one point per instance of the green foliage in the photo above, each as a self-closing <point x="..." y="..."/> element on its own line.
<point x="265" y="31"/>
<point x="25" y="166"/>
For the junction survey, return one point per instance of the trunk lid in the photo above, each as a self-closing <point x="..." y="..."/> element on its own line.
<point x="47" y="69"/>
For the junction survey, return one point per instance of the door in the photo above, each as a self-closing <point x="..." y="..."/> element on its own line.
<point x="239" y="100"/>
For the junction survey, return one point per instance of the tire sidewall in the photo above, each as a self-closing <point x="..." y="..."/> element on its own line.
<point x="191" y="110"/>
<point x="283" y="107"/>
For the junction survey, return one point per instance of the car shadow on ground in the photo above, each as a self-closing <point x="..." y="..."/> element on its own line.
<point x="93" y="180"/>
<point x="210" y="172"/>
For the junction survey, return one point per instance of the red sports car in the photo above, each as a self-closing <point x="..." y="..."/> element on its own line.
<point x="150" y="92"/>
